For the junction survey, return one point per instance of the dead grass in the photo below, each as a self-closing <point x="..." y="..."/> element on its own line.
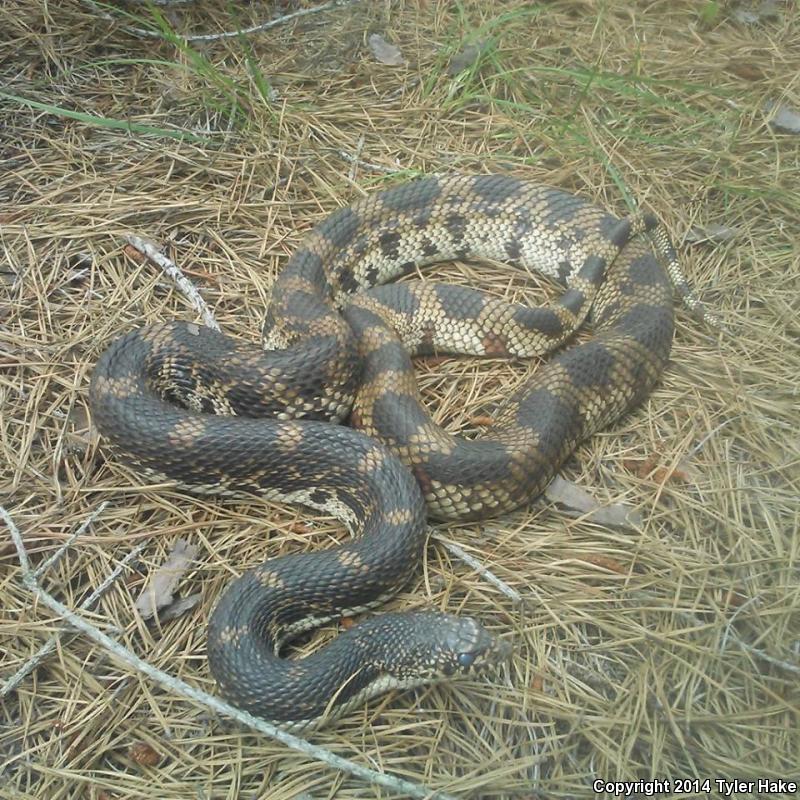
<point x="668" y="652"/>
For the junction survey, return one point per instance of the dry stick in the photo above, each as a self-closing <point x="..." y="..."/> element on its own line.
<point x="355" y="161"/>
<point x="263" y="26"/>
<point x="185" y="286"/>
<point x="349" y="157"/>
<point x="778" y="662"/>
<point x="178" y="686"/>
<point x="59" y="554"/>
<point x="50" y="645"/>
<point x="273" y="23"/>
<point x="482" y="570"/>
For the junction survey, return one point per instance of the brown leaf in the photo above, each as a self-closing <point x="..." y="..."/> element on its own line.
<point x="606" y="562"/>
<point x="651" y="469"/>
<point x="578" y="503"/>
<point x="301" y="528"/>
<point x="734" y="598"/>
<point x="134" y="254"/>
<point x="143" y="754"/>
<point x="346" y="623"/>
<point x="158" y="592"/>
<point x="746" y="70"/>
<point x="641" y="467"/>
<point x="481" y="420"/>
<point x="385" y="52"/>
<point x="537" y="682"/>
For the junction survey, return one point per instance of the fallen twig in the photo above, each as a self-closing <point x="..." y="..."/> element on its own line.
<point x="354" y="162"/>
<point x="50" y="645"/>
<point x="59" y="554"/>
<point x="353" y="159"/>
<point x="262" y="26"/>
<point x="171" y="269"/>
<point x="179" y="687"/>
<point x="481" y="569"/>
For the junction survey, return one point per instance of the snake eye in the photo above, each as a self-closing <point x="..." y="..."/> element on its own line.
<point x="466" y="659"/>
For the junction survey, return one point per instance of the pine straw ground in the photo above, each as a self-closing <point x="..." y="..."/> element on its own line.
<point x="668" y="651"/>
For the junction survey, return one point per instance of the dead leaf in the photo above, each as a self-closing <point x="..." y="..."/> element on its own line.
<point x="640" y="467"/>
<point x="144" y="754"/>
<point x="346" y="623"/>
<point x="465" y="57"/>
<point x="579" y="503"/>
<point x="735" y="598"/>
<point x="158" y="592"/>
<point x="783" y="118"/>
<point x="652" y="469"/>
<point x="134" y="254"/>
<point x="180" y="607"/>
<point x="713" y="232"/>
<point x="673" y="475"/>
<point x="606" y="562"/>
<point x="481" y="420"/>
<point x="746" y="70"/>
<point x="385" y="52"/>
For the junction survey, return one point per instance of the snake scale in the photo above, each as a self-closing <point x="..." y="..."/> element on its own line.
<point x="218" y="415"/>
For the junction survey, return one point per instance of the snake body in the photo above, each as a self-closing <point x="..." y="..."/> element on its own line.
<point x="217" y="415"/>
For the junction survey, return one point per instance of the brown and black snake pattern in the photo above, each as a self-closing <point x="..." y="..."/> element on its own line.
<point x="217" y="415"/>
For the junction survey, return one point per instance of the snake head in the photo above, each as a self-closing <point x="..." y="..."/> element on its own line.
<point x="432" y="646"/>
<point x="467" y="648"/>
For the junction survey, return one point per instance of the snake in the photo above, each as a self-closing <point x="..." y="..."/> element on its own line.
<point x="214" y="414"/>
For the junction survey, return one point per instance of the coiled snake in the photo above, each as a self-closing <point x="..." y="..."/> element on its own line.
<point x="218" y="415"/>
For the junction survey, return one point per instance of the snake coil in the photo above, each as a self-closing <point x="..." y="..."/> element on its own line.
<point x="216" y="415"/>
